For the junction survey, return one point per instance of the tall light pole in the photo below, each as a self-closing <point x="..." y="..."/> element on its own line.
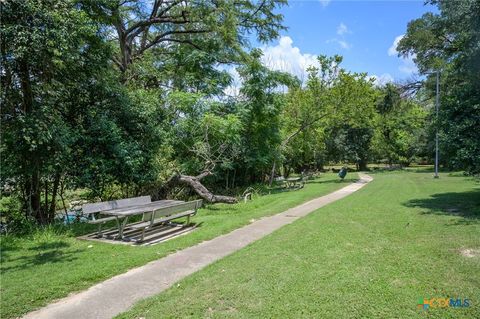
<point x="437" y="106"/>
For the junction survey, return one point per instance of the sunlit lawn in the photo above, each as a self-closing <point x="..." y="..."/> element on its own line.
<point x="374" y="254"/>
<point x="50" y="265"/>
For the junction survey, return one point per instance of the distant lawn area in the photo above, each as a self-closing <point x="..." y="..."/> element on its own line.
<point x="374" y="254"/>
<point x="50" y="264"/>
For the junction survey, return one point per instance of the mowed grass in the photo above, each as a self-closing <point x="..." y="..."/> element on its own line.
<point x="373" y="254"/>
<point x="47" y="265"/>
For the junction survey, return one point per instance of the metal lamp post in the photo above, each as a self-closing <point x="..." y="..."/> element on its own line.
<point x="437" y="106"/>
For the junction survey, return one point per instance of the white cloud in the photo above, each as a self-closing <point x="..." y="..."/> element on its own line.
<point x="393" y="48"/>
<point x="407" y="65"/>
<point x="234" y="88"/>
<point x="324" y="3"/>
<point x="287" y="58"/>
<point x="342" y="29"/>
<point x="342" y="43"/>
<point x="381" y="80"/>
<point x="281" y="57"/>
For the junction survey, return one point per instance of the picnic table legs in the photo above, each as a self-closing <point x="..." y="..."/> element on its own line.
<point x="121" y="226"/>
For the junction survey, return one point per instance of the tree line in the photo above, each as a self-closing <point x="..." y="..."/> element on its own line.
<point x="122" y="98"/>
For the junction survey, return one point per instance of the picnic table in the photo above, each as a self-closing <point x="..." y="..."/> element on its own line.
<point x="292" y="181"/>
<point x="123" y="213"/>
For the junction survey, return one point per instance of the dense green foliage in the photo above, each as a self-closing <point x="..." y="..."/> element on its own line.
<point x="83" y="109"/>
<point x="373" y="254"/>
<point x="116" y="98"/>
<point x="449" y="42"/>
<point x="400" y="127"/>
<point x="63" y="112"/>
<point x="103" y="99"/>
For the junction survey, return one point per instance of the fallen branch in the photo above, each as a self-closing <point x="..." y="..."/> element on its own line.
<point x="202" y="191"/>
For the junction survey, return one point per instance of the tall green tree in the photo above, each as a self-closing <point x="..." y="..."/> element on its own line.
<point x="449" y="42"/>
<point x="64" y="114"/>
<point x="260" y="110"/>
<point x="44" y="55"/>
<point x="218" y="30"/>
<point x="319" y="115"/>
<point x="400" y="122"/>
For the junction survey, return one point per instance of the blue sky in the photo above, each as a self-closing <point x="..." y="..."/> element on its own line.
<point x="361" y="31"/>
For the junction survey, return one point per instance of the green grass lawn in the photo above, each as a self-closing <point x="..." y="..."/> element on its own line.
<point x="49" y="265"/>
<point x="373" y="254"/>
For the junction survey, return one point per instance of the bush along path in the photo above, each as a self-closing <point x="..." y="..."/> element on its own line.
<point x="118" y="294"/>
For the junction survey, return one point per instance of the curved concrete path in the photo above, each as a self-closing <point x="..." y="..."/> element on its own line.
<point x="118" y="294"/>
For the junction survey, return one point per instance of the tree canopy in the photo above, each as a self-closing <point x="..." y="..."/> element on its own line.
<point x="121" y="98"/>
<point x="448" y="42"/>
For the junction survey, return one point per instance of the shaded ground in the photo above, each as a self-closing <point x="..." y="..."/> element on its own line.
<point x="463" y="204"/>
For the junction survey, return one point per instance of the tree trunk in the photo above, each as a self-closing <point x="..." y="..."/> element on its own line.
<point x="202" y="191"/>
<point x="32" y="200"/>
<point x="362" y="165"/>
<point x="226" y="183"/>
<point x="32" y="185"/>
<point x="53" y="202"/>
<point x="286" y="173"/>
<point x="272" y="174"/>
<point x="35" y="197"/>
<point x="45" y="207"/>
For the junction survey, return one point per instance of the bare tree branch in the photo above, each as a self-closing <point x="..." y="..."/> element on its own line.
<point x="163" y="38"/>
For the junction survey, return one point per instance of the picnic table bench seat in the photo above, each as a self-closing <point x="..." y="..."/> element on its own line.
<point x="92" y="209"/>
<point x="291" y="182"/>
<point x="167" y="214"/>
<point x="102" y="220"/>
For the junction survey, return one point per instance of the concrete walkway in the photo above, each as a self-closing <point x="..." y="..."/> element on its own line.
<point x="118" y="294"/>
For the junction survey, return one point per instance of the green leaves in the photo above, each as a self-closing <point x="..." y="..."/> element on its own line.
<point x="261" y="110"/>
<point x="330" y="118"/>
<point x="400" y="125"/>
<point x="449" y="42"/>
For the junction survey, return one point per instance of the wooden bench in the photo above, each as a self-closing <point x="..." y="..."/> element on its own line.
<point x="92" y="209"/>
<point x="167" y="214"/>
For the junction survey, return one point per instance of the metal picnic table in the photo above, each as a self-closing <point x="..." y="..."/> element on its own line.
<point x="292" y="181"/>
<point x="125" y="212"/>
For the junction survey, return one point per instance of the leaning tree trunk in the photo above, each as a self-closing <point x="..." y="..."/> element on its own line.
<point x="202" y="191"/>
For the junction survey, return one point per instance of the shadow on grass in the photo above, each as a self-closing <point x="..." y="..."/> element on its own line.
<point x="7" y="246"/>
<point x="16" y="256"/>
<point x="47" y="246"/>
<point x="465" y="205"/>
<point x="55" y="252"/>
<point x="334" y="181"/>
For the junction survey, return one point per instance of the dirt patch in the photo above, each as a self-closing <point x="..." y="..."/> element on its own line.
<point x="470" y="253"/>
